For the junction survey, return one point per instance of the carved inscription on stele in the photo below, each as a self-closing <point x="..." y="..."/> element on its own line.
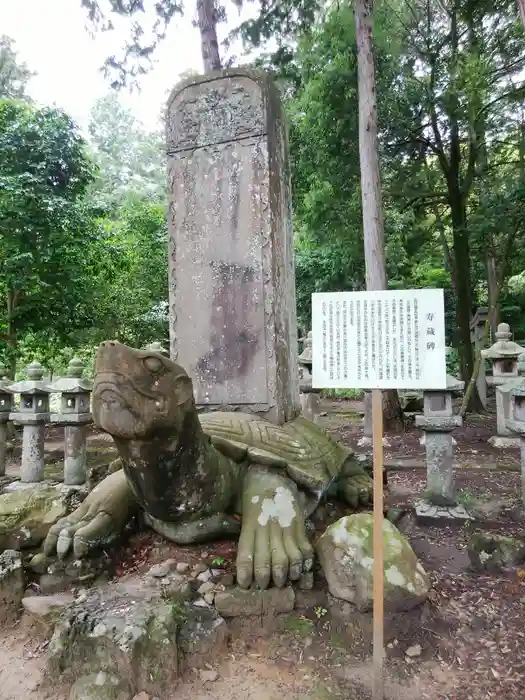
<point x="230" y="110"/>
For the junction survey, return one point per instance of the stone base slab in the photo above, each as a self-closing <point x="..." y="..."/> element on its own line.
<point x="504" y="443"/>
<point x="429" y="514"/>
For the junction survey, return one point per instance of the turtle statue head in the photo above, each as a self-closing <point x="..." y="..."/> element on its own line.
<point x="138" y="394"/>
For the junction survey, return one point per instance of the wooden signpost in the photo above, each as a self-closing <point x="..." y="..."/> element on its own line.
<point x="378" y="340"/>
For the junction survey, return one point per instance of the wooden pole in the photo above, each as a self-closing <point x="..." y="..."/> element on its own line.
<point x="378" y="573"/>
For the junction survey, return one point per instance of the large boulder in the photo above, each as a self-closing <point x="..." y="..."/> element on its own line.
<point x="345" y="551"/>
<point x="27" y="513"/>
<point x="11" y="586"/>
<point x="138" y="630"/>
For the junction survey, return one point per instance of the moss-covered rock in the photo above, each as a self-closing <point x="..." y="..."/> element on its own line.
<point x="494" y="553"/>
<point x="26" y="514"/>
<point x="345" y="552"/>
<point x="138" y="630"/>
<point x="11" y="586"/>
<point x="100" y="686"/>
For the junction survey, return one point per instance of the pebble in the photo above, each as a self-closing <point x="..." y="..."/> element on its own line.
<point x="163" y="569"/>
<point x="204" y="555"/>
<point x="209" y="597"/>
<point x="227" y="580"/>
<point x="204" y="576"/>
<point x="413" y="651"/>
<point x="200" y="603"/>
<point x="198" y="569"/>
<point x="182" y="567"/>
<point x="208" y="676"/>
<point x="206" y="587"/>
<point x="141" y="696"/>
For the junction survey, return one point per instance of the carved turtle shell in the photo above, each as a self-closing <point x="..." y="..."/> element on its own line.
<point x="311" y="458"/>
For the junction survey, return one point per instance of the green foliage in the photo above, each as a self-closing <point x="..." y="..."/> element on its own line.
<point x="132" y="283"/>
<point x="14" y="74"/>
<point x="47" y="238"/>
<point x="129" y="158"/>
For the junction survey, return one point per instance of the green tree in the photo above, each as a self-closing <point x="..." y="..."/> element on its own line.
<point x="46" y="238"/>
<point x="132" y="282"/>
<point x="14" y="74"/>
<point x="129" y="158"/>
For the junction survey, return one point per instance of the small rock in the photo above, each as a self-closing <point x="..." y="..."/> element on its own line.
<point x="200" y="603"/>
<point x="11" y="586"/>
<point x="206" y="587"/>
<point x="141" y="696"/>
<point x="163" y="569"/>
<point x="38" y="563"/>
<point x="208" y="676"/>
<point x="306" y="582"/>
<point x="226" y="580"/>
<point x="182" y="567"/>
<point x="198" y="569"/>
<point x="204" y="555"/>
<point x="46" y="606"/>
<point x="204" y="576"/>
<point x="209" y="597"/>
<point x="54" y="583"/>
<point x="413" y="651"/>
<point x="238" y="602"/>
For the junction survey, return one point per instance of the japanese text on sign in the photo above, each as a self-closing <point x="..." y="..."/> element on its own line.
<point x="379" y="340"/>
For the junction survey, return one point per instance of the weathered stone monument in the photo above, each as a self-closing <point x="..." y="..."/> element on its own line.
<point x="516" y="423"/>
<point x="32" y="414"/>
<point x="74" y="415"/>
<point x="232" y="290"/>
<point x="310" y="398"/>
<point x="438" y="422"/>
<point x="504" y="354"/>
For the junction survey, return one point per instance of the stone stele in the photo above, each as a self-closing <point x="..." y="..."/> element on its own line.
<point x="232" y="287"/>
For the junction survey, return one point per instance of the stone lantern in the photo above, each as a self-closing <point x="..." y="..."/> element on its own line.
<point x="74" y="415"/>
<point x="6" y="406"/>
<point x="438" y="422"/>
<point x="32" y="414"/>
<point x="309" y="397"/>
<point x="504" y="355"/>
<point x="516" y="423"/>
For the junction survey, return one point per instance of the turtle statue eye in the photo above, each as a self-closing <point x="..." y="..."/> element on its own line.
<point x="153" y="364"/>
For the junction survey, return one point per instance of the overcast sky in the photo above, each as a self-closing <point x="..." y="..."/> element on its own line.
<point x="52" y="39"/>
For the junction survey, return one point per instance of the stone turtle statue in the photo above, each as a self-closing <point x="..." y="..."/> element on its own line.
<point x="192" y="474"/>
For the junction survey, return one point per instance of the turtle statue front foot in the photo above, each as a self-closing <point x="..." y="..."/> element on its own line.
<point x="102" y="516"/>
<point x="273" y="545"/>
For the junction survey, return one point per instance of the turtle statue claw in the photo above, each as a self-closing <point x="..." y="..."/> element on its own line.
<point x="192" y="473"/>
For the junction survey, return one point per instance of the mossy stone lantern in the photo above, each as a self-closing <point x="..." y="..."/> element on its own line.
<point x="32" y="414"/>
<point x="75" y="414"/>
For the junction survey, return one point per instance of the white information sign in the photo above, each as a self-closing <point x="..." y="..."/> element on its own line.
<point x="379" y="340"/>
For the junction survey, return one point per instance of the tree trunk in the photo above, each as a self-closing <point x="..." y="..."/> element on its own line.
<point x="373" y="226"/>
<point x="521" y="7"/>
<point x="207" y="21"/>
<point x="493" y="291"/>
<point x="11" y="333"/>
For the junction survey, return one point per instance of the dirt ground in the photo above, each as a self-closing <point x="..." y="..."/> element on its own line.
<point x="471" y="632"/>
